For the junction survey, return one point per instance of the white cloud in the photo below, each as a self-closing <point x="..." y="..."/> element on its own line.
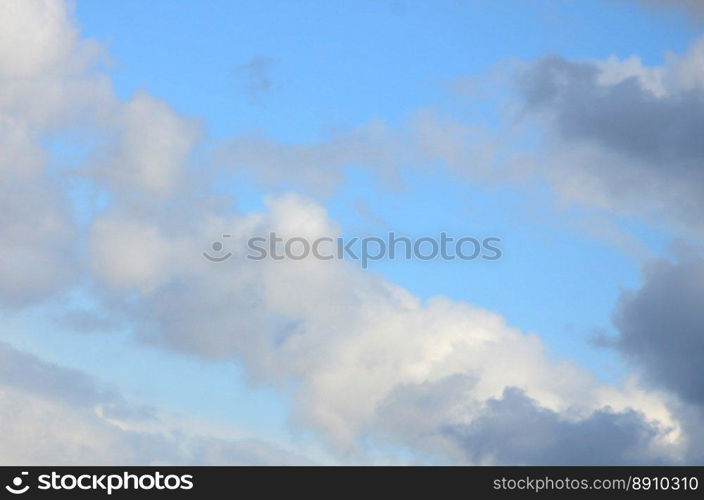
<point x="152" y="150"/>
<point x="348" y="341"/>
<point x="47" y="83"/>
<point x="36" y="37"/>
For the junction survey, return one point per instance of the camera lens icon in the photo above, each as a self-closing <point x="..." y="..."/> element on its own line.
<point x="217" y="247"/>
<point x="16" y="487"/>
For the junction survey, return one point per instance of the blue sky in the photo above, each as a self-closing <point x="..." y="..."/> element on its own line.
<point x="340" y="66"/>
<point x="344" y="64"/>
<point x="308" y="76"/>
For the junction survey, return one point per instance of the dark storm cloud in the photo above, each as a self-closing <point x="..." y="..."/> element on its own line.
<point x="662" y="327"/>
<point x="515" y="430"/>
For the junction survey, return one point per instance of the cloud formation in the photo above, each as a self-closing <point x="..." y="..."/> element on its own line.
<point x="47" y="83"/>
<point x="514" y="430"/>
<point x="623" y="136"/>
<point x="661" y="326"/>
<point x="349" y="340"/>
<point x="366" y="357"/>
<point x="52" y="415"/>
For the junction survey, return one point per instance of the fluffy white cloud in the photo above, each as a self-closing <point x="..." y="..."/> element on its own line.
<point x="26" y="51"/>
<point x="45" y="82"/>
<point x="152" y="149"/>
<point x="348" y="340"/>
<point x="37" y="235"/>
<point x="360" y="351"/>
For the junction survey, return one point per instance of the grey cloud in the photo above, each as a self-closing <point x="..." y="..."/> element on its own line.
<point x="644" y="148"/>
<point x="515" y="430"/>
<point x="37" y="241"/>
<point x="416" y="413"/>
<point x="627" y="138"/>
<point x="58" y="416"/>
<point x="691" y="418"/>
<point x="443" y="419"/>
<point x="46" y="83"/>
<point x="31" y="375"/>
<point x="343" y="339"/>
<point x="354" y="345"/>
<point x="661" y="326"/>
<point x="623" y="117"/>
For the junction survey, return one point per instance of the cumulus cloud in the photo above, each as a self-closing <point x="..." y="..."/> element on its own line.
<point x="48" y="72"/>
<point x="660" y="333"/>
<point x="47" y="83"/>
<point x="443" y="420"/>
<point x="37" y="238"/>
<point x="515" y="430"/>
<point x="39" y="50"/>
<point x="359" y="350"/>
<point x="349" y="340"/>
<point x="623" y="136"/>
<point x="151" y="151"/>
<point x="661" y="326"/>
